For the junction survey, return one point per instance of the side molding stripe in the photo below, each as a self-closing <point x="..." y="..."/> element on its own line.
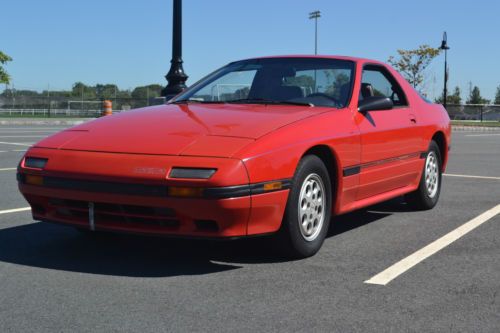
<point x="354" y="170"/>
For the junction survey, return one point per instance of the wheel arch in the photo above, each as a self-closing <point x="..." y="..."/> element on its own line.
<point x="332" y="164"/>
<point x="440" y="140"/>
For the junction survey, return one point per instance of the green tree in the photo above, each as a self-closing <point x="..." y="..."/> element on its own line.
<point x="4" y="76"/>
<point x="145" y="92"/>
<point x="303" y="81"/>
<point x="497" y="96"/>
<point x="476" y="98"/>
<point x="106" y="91"/>
<point x="412" y="63"/>
<point x="454" y="98"/>
<point x="335" y="89"/>
<point x="27" y="93"/>
<point x="82" y="91"/>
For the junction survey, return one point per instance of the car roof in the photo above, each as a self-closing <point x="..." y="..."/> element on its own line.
<point x="338" y="57"/>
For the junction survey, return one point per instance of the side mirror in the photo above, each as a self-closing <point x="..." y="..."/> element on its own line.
<point x="375" y="103"/>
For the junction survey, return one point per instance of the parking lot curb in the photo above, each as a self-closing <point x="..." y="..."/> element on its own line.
<point x="31" y="121"/>
<point x="475" y="128"/>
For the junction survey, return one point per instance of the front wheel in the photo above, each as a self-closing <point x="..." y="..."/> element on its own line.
<point x="308" y="210"/>
<point x="427" y="194"/>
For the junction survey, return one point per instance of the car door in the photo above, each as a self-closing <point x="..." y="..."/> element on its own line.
<point x="389" y="144"/>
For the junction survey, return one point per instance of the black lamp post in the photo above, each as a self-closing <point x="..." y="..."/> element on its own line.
<point x="445" y="47"/>
<point x="176" y="77"/>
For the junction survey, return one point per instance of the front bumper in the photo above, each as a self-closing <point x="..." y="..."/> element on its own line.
<point x="100" y="196"/>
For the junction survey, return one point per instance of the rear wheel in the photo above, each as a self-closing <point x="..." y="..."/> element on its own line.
<point x="427" y="194"/>
<point x="308" y="210"/>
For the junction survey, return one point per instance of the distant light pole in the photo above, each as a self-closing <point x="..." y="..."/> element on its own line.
<point x="176" y="77"/>
<point x="445" y="47"/>
<point x="315" y="16"/>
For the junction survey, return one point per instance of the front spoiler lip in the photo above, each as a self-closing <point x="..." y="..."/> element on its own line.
<point x="145" y="233"/>
<point x="225" y="192"/>
<point x="158" y="235"/>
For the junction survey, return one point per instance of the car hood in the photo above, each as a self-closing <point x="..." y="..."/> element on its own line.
<point x="196" y="129"/>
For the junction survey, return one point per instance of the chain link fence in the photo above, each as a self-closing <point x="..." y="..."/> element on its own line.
<point x="475" y="112"/>
<point x="28" y="106"/>
<point x="36" y="106"/>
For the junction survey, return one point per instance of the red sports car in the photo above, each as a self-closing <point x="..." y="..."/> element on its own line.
<point x="261" y="146"/>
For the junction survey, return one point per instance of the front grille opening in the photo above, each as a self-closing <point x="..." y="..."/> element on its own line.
<point x="75" y="204"/>
<point x="206" y="225"/>
<point x="73" y="209"/>
<point x="103" y="218"/>
<point x="108" y="213"/>
<point x="134" y="210"/>
<point x="65" y="212"/>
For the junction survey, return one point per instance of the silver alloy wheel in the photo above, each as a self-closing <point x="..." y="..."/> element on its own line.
<point x="431" y="174"/>
<point x="311" y="212"/>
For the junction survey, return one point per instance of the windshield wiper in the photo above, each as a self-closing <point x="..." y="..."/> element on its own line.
<point x="187" y="101"/>
<point x="268" y="101"/>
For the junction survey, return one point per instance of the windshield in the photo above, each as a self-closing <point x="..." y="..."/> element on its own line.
<point x="292" y="81"/>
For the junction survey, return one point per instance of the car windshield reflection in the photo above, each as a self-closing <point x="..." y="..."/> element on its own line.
<point x="287" y="81"/>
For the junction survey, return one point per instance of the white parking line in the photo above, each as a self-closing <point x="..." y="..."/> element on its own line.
<point x="8" y="211"/>
<point x="405" y="264"/>
<point x="12" y="150"/>
<point x="8" y="169"/>
<point x="15" y="144"/>
<point x="469" y="176"/>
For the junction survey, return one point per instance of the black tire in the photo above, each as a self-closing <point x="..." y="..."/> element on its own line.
<point x="423" y="198"/>
<point x="292" y="236"/>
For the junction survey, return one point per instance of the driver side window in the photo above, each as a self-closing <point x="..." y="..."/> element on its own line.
<point x="377" y="81"/>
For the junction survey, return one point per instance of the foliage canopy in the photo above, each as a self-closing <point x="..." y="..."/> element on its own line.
<point x="4" y="76"/>
<point x="475" y="97"/>
<point x="412" y="63"/>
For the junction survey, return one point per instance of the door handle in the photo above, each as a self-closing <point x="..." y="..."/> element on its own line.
<point x="413" y="119"/>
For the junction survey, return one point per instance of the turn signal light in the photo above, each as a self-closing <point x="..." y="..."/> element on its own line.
<point x="33" y="180"/>
<point x="185" y="192"/>
<point x="273" y="186"/>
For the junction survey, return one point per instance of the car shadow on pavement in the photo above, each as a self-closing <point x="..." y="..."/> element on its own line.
<point x="343" y="223"/>
<point x="350" y="221"/>
<point x="63" y="248"/>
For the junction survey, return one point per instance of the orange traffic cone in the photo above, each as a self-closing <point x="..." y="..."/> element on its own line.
<point x="107" y="108"/>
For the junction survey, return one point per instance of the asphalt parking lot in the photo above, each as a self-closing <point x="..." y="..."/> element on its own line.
<point x="53" y="278"/>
